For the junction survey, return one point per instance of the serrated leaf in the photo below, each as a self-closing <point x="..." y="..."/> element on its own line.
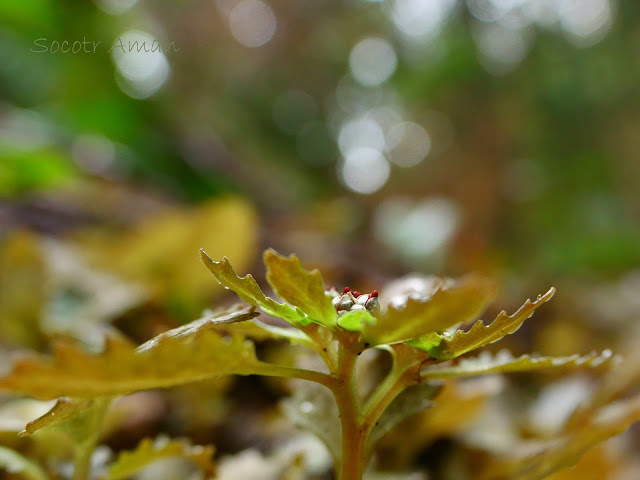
<point x="233" y="315"/>
<point x="356" y="321"/>
<point x="566" y="451"/>
<point x="448" y="305"/>
<point x="149" y="451"/>
<point x="411" y="401"/>
<point x="15" y="414"/>
<point x="186" y="354"/>
<point x="14" y="463"/>
<point x="249" y="291"/>
<point x="301" y="288"/>
<point x="260" y="331"/>
<point x="445" y="348"/>
<point x="62" y="412"/>
<point x="504" y="362"/>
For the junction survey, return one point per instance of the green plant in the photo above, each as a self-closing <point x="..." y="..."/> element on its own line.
<point x="421" y="334"/>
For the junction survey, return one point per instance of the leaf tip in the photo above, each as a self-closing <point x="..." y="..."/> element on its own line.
<point x="204" y="256"/>
<point x="549" y="295"/>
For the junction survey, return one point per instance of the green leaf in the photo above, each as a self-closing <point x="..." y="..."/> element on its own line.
<point x="187" y="354"/>
<point x="260" y="331"/>
<point x="445" y="347"/>
<point x="356" y="321"/>
<point x="16" y="413"/>
<point x="82" y="421"/>
<point x="249" y="291"/>
<point x="14" y="463"/>
<point x="504" y="362"/>
<point x="64" y="411"/>
<point x="148" y="451"/>
<point x="449" y="304"/>
<point x="566" y="451"/>
<point x="300" y="287"/>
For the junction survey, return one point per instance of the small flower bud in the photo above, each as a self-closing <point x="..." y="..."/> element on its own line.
<point x="343" y="302"/>
<point x="331" y="292"/>
<point x="373" y="305"/>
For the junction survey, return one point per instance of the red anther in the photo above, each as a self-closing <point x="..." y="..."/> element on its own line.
<point x="356" y="294"/>
<point x="346" y="290"/>
<point x="373" y="294"/>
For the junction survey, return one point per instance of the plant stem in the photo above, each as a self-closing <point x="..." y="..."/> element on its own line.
<point x="88" y="436"/>
<point x="395" y="382"/>
<point x="353" y="436"/>
<point x="273" y="370"/>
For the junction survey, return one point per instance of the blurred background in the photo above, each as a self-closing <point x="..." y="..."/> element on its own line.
<point x="372" y="138"/>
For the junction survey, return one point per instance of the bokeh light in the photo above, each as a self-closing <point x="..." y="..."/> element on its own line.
<point x="408" y="144"/>
<point x="501" y="48"/>
<point x="585" y="21"/>
<point x="252" y="22"/>
<point x="96" y="154"/>
<point x="372" y="61"/>
<point x="361" y="132"/>
<point x="141" y="63"/>
<point x="417" y="232"/>
<point x="116" y="7"/>
<point x="421" y="19"/>
<point x="365" y="170"/>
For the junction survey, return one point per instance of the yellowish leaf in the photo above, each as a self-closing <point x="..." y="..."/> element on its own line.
<point x="148" y="451"/>
<point x="299" y="287"/>
<point x="449" y="304"/>
<point x="64" y="410"/>
<point x="187" y="354"/>
<point x="249" y="291"/>
<point x="260" y="331"/>
<point x="504" y="362"/>
<point x="15" y="414"/>
<point x="445" y="347"/>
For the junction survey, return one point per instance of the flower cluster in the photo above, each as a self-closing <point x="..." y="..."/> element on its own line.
<point x="352" y="300"/>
